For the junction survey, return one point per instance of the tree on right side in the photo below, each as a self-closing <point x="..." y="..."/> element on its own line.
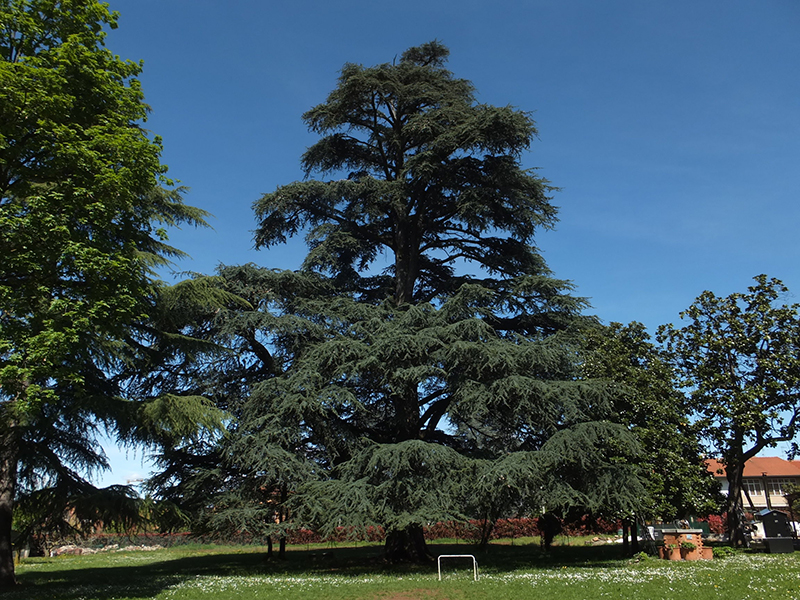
<point x="677" y="481"/>
<point x="739" y="363"/>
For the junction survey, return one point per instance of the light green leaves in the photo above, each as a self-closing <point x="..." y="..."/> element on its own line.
<point x="81" y="202"/>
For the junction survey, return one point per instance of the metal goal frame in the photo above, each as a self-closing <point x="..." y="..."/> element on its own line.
<point x="475" y="575"/>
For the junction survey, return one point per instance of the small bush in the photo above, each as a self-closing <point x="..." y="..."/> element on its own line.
<point x="723" y="551"/>
<point x="716" y="523"/>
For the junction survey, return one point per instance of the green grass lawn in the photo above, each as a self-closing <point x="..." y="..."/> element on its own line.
<point x="515" y="572"/>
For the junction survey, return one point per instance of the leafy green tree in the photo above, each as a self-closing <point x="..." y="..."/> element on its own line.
<point x="678" y="483"/>
<point x="739" y="361"/>
<point x="84" y="204"/>
<point x="462" y="347"/>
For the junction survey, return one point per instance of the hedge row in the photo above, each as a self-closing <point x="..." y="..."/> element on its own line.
<point x="469" y="531"/>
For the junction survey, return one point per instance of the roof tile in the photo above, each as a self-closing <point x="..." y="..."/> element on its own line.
<point x="757" y="466"/>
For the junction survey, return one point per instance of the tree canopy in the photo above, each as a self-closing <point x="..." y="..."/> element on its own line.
<point x="430" y="180"/>
<point x="648" y="398"/>
<point x="739" y="363"/>
<point x="443" y="386"/>
<point x="423" y="365"/>
<point x="84" y="207"/>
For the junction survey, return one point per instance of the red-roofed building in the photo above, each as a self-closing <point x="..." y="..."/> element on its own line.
<point x="766" y="479"/>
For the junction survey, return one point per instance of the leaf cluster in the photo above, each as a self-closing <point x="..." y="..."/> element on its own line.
<point x="84" y="203"/>
<point x="648" y="399"/>
<point x="739" y="362"/>
<point x="430" y="178"/>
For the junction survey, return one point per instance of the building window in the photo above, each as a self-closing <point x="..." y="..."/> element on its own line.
<point x="779" y="486"/>
<point x="753" y="487"/>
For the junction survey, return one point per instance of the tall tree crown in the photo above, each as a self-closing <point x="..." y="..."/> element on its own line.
<point x="738" y="359"/>
<point x="431" y="179"/>
<point x="84" y="203"/>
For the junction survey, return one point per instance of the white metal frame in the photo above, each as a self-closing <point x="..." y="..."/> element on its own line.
<point x="475" y="576"/>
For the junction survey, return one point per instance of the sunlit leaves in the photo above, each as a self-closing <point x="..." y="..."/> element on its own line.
<point x="83" y="205"/>
<point x="739" y="361"/>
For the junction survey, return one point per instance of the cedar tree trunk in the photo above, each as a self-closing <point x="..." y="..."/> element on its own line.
<point x="407" y="545"/>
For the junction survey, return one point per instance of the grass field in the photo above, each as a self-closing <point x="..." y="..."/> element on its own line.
<point x="509" y="572"/>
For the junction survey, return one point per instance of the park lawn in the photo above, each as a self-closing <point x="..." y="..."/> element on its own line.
<point x="512" y="572"/>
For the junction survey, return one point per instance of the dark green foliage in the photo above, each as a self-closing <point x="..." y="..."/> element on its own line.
<point x="72" y="509"/>
<point x="738" y="359"/>
<point x="446" y="385"/>
<point x="477" y="396"/>
<point x="647" y="397"/>
<point x="243" y="328"/>
<point x="431" y="180"/>
<point x="396" y="486"/>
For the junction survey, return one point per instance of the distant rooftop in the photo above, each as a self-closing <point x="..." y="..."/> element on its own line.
<point x="759" y="465"/>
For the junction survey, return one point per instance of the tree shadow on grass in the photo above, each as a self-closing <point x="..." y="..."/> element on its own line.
<point x="75" y="578"/>
<point x="86" y="577"/>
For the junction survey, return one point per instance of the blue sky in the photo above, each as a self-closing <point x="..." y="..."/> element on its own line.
<point x="672" y="128"/>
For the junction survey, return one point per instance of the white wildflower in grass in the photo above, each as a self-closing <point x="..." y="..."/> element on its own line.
<point x="245" y="586"/>
<point x="657" y="580"/>
<point x="126" y="577"/>
<point x="664" y="579"/>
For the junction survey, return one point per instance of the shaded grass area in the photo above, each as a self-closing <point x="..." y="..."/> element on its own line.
<point x="518" y="571"/>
